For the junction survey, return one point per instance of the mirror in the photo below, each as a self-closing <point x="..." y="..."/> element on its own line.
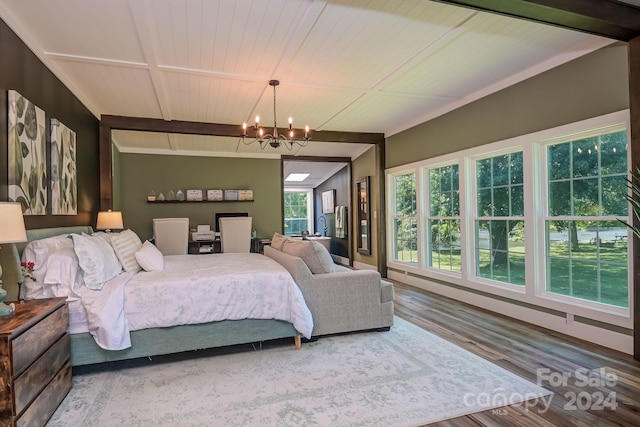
<point x="364" y="216"/>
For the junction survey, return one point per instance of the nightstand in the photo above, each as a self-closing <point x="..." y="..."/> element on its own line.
<point x="35" y="361"/>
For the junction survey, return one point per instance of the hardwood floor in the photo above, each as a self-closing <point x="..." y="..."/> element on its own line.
<point x="592" y="385"/>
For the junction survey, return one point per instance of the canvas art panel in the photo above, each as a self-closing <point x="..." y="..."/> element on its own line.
<point x="27" y="155"/>
<point x="64" y="183"/>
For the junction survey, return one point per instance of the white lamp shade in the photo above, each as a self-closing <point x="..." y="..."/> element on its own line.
<point x="109" y="220"/>
<point x="11" y="223"/>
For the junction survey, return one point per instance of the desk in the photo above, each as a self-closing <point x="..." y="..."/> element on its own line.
<point x="258" y="244"/>
<point x="199" y="247"/>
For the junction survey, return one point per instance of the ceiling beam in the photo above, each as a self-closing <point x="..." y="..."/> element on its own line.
<point x="217" y="129"/>
<point x="607" y="18"/>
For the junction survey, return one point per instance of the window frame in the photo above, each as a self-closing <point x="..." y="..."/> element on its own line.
<point x="310" y="205"/>
<point x="392" y="217"/>
<point x="541" y="286"/>
<point x="426" y="216"/>
<point x="472" y="216"/>
<point x="535" y="202"/>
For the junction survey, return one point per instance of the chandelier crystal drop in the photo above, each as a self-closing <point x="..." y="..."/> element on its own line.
<point x="274" y="139"/>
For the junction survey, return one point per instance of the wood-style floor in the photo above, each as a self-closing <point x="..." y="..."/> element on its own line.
<point x="592" y="385"/>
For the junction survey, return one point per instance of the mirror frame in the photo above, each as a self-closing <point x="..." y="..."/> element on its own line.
<point x="363" y="215"/>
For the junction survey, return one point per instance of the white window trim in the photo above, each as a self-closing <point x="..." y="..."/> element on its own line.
<point x="529" y="145"/>
<point x="310" y="205"/>
<point x="424" y="217"/>
<point x="540" y="289"/>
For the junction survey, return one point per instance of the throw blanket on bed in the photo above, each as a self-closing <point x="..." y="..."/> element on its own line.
<point x="196" y="289"/>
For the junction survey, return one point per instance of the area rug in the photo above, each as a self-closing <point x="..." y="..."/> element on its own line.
<point x="404" y="377"/>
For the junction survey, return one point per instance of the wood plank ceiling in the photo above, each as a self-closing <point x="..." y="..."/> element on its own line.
<point x="344" y="65"/>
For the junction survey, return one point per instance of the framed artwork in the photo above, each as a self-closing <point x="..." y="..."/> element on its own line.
<point x="194" y="195"/>
<point x="328" y="200"/>
<point x="27" y="156"/>
<point x="215" y="195"/>
<point x="64" y="179"/>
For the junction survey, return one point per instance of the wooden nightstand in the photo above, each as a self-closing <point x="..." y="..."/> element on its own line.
<point x="35" y="362"/>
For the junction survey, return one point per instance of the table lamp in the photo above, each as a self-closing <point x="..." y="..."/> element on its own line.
<point x="11" y="230"/>
<point x="109" y="220"/>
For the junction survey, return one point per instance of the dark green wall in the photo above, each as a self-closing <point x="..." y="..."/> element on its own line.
<point x="22" y="71"/>
<point x="340" y="182"/>
<point x="141" y="173"/>
<point x="586" y="87"/>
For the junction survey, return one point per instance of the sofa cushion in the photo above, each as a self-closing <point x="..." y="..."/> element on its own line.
<point x="277" y="241"/>
<point x="314" y="254"/>
<point x="386" y="291"/>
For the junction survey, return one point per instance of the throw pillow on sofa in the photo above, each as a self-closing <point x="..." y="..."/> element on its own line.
<point x="314" y="254"/>
<point x="277" y="241"/>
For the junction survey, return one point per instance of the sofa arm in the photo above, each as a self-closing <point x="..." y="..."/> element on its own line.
<point x="345" y="301"/>
<point x="294" y="265"/>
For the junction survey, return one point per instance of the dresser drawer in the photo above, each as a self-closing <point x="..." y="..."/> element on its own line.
<point x="46" y="403"/>
<point x="32" y="343"/>
<point x="33" y="380"/>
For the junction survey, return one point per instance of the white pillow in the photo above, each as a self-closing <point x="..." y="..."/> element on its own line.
<point x="38" y="251"/>
<point x="278" y="241"/>
<point x="63" y="277"/>
<point x="150" y="258"/>
<point x="125" y="245"/>
<point x="97" y="260"/>
<point x="314" y="254"/>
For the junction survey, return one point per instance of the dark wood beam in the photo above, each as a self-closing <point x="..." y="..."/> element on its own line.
<point x="217" y="129"/>
<point x="316" y="159"/>
<point x="607" y="18"/>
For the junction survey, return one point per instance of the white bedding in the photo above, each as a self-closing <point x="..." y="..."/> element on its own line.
<point x="195" y="289"/>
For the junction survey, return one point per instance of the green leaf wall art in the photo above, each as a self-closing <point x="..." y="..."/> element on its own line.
<point x="64" y="187"/>
<point x="27" y="156"/>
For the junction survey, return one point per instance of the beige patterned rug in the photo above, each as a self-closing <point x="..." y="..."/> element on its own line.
<point x="404" y="377"/>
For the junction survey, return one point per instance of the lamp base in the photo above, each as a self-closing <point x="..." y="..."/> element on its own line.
<point x="5" y="310"/>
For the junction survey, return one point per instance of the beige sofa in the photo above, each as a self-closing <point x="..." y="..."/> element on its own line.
<point x="344" y="300"/>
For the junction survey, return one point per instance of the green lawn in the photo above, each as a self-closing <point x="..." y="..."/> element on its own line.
<point x="574" y="273"/>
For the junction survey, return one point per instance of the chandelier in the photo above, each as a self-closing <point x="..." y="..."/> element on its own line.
<point x="274" y="139"/>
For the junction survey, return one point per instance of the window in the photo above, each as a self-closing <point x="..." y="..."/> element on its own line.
<point x="535" y="219"/>
<point x="586" y="247"/>
<point x="297" y="211"/>
<point x="443" y="221"/>
<point x="499" y="222"/>
<point x="405" y="223"/>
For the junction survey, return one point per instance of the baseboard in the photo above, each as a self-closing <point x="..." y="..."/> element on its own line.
<point x="587" y="332"/>
<point x="362" y="266"/>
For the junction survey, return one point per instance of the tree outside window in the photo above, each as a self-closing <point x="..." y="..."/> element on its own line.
<point x="499" y="224"/>
<point x="586" y="247"/>
<point x="296" y="212"/>
<point x="405" y="223"/>
<point x="443" y="221"/>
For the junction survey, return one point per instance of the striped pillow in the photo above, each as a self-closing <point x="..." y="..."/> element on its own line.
<point x="125" y="245"/>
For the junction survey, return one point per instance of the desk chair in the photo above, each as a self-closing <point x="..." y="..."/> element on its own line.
<point x="171" y="235"/>
<point x="235" y="234"/>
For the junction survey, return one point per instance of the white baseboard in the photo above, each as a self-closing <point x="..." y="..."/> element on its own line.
<point x="566" y="325"/>
<point x="362" y="266"/>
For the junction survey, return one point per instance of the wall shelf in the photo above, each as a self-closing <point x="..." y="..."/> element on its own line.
<point x="198" y="201"/>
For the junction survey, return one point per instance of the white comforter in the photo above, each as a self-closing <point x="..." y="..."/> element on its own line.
<point x="195" y="289"/>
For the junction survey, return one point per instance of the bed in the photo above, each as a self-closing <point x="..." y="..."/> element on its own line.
<point x="163" y="338"/>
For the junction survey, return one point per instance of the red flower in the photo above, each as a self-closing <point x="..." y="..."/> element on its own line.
<point x="27" y="269"/>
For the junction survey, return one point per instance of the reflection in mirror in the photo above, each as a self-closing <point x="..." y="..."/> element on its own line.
<point x="364" y="216"/>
